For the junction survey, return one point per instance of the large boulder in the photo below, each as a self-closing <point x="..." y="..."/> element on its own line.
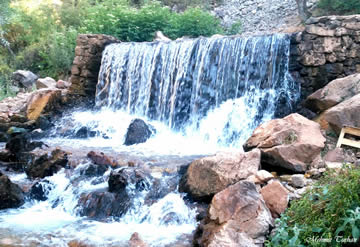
<point x="46" y="82"/>
<point x="47" y="165"/>
<point x="41" y="101"/>
<point x="334" y="93"/>
<point x="237" y="216"/>
<point x="276" y="197"/>
<point x="24" y="78"/>
<point x="291" y="142"/>
<point x="11" y="194"/>
<point x="346" y="113"/>
<point x="138" y="132"/>
<point x="207" y="176"/>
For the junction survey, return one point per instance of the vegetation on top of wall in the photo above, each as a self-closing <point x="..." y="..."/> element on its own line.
<point x="325" y="215"/>
<point x="339" y="7"/>
<point x="40" y="35"/>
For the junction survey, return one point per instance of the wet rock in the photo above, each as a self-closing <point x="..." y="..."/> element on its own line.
<point x="276" y="197"/>
<point x="95" y="170"/>
<point x="21" y="143"/>
<point x="85" y="132"/>
<point x="47" y="82"/>
<point x="76" y="243"/>
<point x="62" y="84"/>
<point x="138" y="132"/>
<point x="24" y="78"/>
<point x="136" y="241"/>
<point x="210" y="175"/>
<point x="41" y="101"/>
<point x="13" y="131"/>
<point x="347" y="113"/>
<point x="291" y="142"/>
<point x="122" y="177"/>
<point x="238" y="216"/>
<point x="39" y="190"/>
<point x="102" y="204"/>
<point x="11" y="195"/>
<point x="334" y="93"/>
<point x="101" y="159"/>
<point x="298" y="180"/>
<point x="47" y="165"/>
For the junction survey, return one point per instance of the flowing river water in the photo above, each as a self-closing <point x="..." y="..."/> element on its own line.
<point x="201" y="95"/>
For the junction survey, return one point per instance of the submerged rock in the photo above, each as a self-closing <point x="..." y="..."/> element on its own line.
<point x="210" y="175"/>
<point x="11" y="195"/>
<point x="85" y="132"/>
<point x="136" y="241"/>
<point x="39" y="190"/>
<point x="101" y="159"/>
<point x="138" y="132"/>
<point x="122" y="177"/>
<point x="47" y="165"/>
<point x="102" y="204"/>
<point x="237" y="216"/>
<point x="292" y="142"/>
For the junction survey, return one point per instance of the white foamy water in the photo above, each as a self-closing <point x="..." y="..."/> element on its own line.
<point x="55" y="222"/>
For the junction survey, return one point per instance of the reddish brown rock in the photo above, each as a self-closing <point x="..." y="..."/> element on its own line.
<point x="101" y="159"/>
<point x="347" y="113"/>
<point x="136" y="241"/>
<point x="276" y="198"/>
<point x="291" y="142"/>
<point x="334" y="93"/>
<point x="207" y="176"/>
<point x="238" y="216"/>
<point x="41" y="101"/>
<point x="47" y="165"/>
<point x="62" y="84"/>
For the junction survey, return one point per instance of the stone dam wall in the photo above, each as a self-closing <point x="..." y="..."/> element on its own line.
<point x="327" y="49"/>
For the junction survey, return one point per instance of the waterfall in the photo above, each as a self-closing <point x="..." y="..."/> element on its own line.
<point x="181" y="83"/>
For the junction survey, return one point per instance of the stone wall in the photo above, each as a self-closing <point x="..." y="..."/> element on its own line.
<point x="327" y="49"/>
<point x="87" y="61"/>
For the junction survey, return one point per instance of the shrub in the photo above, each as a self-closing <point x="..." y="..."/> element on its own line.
<point x="329" y="209"/>
<point x="340" y="7"/>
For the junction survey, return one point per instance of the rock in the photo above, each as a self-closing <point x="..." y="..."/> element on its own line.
<point x="138" y="132"/>
<point x="76" y="243"/>
<point x="101" y="159"/>
<point x="136" y="241"/>
<point x="347" y="113"/>
<point x="207" y="176"/>
<point x="41" y="101"/>
<point x="159" y="36"/>
<point x="261" y="177"/>
<point x="11" y="195"/>
<point x="47" y="82"/>
<point x="13" y="131"/>
<point x="334" y="93"/>
<point x="276" y="198"/>
<point x="94" y="170"/>
<point x="238" y="217"/>
<point x="24" y="78"/>
<point x="102" y="204"/>
<point x="335" y="158"/>
<point x="85" y="132"/>
<point x="122" y="177"/>
<point x="291" y="142"/>
<point x="62" y="84"/>
<point x="298" y="180"/>
<point x="39" y="190"/>
<point x="47" y="165"/>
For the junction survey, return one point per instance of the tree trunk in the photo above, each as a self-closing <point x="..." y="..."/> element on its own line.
<point x="302" y="9"/>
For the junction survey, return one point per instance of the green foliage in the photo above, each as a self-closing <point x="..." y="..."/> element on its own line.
<point x="340" y="7"/>
<point x="329" y="211"/>
<point x="40" y="35"/>
<point x="235" y="28"/>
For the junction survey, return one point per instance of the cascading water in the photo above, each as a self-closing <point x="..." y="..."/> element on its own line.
<point x="201" y="95"/>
